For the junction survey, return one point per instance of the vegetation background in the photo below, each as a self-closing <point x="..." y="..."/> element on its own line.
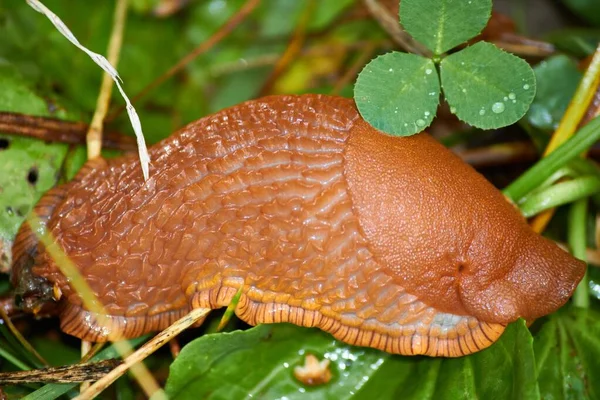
<point x="284" y="46"/>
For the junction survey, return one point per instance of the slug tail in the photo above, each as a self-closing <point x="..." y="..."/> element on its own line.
<point x="76" y="321"/>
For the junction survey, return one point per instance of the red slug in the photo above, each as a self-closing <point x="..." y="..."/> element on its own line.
<point x="391" y="243"/>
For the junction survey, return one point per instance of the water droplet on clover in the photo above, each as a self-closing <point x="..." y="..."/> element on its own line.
<point x="505" y="98"/>
<point x="420" y="122"/>
<point x="498" y="108"/>
<point x="428" y="71"/>
<point x="526" y="86"/>
<point x="426" y="113"/>
<point x="453" y="110"/>
<point x="481" y="112"/>
<point x="512" y="96"/>
<point x="391" y="69"/>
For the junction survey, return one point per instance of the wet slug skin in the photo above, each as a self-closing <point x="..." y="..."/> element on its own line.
<point x="391" y="243"/>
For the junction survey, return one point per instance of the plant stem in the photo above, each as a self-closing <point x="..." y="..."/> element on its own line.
<point x="571" y="119"/>
<point x="13" y="360"/>
<point x="94" y="133"/>
<point x="547" y="166"/>
<point x="559" y="194"/>
<point x="577" y="243"/>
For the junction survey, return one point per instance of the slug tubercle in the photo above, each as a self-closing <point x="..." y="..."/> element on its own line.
<point x="391" y="243"/>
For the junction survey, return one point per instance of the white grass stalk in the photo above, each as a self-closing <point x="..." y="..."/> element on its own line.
<point x="109" y="69"/>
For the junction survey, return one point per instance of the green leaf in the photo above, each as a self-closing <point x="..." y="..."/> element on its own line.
<point x="29" y="167"/>
<point x="259" y="362"/>
<point x="443" y="24"/>
<point x="487" y="87"/>
<point x="557" y="79"/>
<point x="398" y="93"/>
<point x="567" y="351"/>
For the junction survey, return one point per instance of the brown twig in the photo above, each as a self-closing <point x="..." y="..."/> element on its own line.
<point x="293" y="48"/>
<point x="219" y="35"/>
<point x="392" y="26"/>
<point x="174" y="347"/>
<point x="94" y="134"/>
<point x="526" y="47"/>
<point x="499" y="154"/>
<point x="55" y="130"/>
<point x="65" y="374"/>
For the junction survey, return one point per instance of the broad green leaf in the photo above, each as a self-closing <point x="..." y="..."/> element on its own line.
<point x="29" y="166"/>
<point x="567" y="351"/>
<point x="259" y="363"/>
<point x="557" y="79"/>
<point x="398" y="93"/>
<point x="487" y="87"/>
<point x="444" y="24"/>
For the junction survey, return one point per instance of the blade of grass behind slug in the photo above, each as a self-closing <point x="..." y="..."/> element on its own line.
<point x="571" y="119"/>
<point x="14" y="343"/>
<point x="12" y="359"/>
<point x="543" y="169"/>
<point x="560" y="194"/>
<point x="577" y="243"/>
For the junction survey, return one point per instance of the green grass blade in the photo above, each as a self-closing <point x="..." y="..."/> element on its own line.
<point x="544" y="168"/>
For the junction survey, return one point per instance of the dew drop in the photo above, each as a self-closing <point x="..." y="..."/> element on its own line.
<point x="498" y="108"/>
<point x="464" y="90"/>
<point x="428" y="71"/>
<point x="453" y="110"/>
<point x="526" y="86"/>
<point x="391" y="69"/>
<point x="505" y="98"/>
<point x="481" y="112"/>
<point x="420" y="122"/>
<point x="512" y="96"/>
<point x="426" y="113"/>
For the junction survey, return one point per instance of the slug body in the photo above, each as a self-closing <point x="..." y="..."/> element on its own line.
<point x="392" y="243"/>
